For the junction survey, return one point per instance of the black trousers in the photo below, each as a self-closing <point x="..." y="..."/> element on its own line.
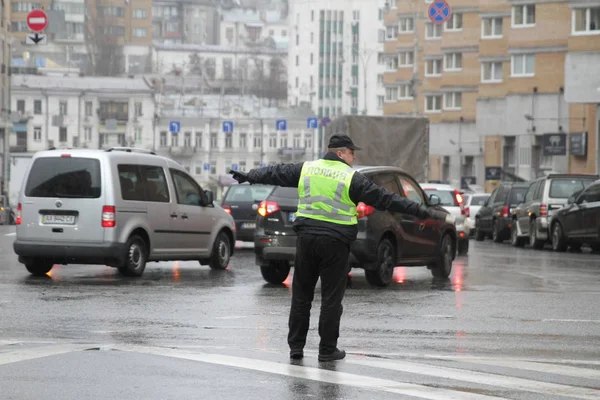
<point x="318" y="257"/>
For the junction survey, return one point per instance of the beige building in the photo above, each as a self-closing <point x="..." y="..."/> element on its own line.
<point x="492" y="82"/>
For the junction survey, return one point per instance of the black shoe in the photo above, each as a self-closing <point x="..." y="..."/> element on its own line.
<point x="296" y="354"/>
<point x="336" y="355"/>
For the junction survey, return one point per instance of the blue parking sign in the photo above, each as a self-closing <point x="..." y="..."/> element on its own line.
<point x="207" y="166"/>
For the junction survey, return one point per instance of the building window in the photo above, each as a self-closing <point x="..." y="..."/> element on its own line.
<point x="257" y="142"/>
<point x="175" y="140"/>
<point x="21" y="106"/>
<point x="37" y="133"/>
<point x="228" y="141"/>
<point x="523" y="15"/>
<point x="140" y="13"/>
<point x="138" y="109"/>
<point x="491" y="72"/>
<point x="453" y="62"/>
<point x="406" y="59"/>
<point x="454" y="23"/>
<point x="433" y="31"/>
<point x="242" y="140"/>
<point x="380" y="101"/>
<point x="89" y="107"/>
<point x="87" y="133"/>
<point x="404" y="92"/>
<point x="491" y="28"/>
<point x="433" y="68"/>
<point x="391" y="63"/>
<point x="199" y="139"/>
<point x="37" y="107"/>
<point x="586" y="20"/>
<point x="391" y="94"/>
<point x="453" y="101"/>
<point x="163" y="139"/>
<point x="406" y="25"/>
<point x="523" y="65"/>
<point x="433" y="103"/>
<point x="62" y="108"/>
<point x="213" y="141"/>
<point x="62" y="134"/>
<point x="391" y="32"/>
<point x="273" y="141"/>
<point x="140" y="32"/>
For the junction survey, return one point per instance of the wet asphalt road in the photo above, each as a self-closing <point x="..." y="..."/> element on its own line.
<point x="509" y="323"/>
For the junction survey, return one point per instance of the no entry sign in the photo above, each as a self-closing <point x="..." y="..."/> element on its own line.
<point x="37" y="20"/>
<point x="439" y="11"/>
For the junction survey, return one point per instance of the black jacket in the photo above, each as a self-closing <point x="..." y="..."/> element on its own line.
<point x="361" y="190"/>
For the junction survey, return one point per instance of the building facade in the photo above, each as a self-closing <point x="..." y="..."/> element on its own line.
<point x="334" y="64"/>
<point x="492" y="81"/>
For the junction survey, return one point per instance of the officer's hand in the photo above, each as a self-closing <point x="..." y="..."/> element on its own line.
<point x="239" y="176"/>
<point x="424" y="212"/>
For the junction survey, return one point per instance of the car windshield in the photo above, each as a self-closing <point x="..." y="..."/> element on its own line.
<point x="562" y="188"/>
<point x="446" y="196"/>
<point x="517" y="195"/>
<point x="247" y="193"/>
<point x="478" y="200"/>
<point x="67" y="177"/>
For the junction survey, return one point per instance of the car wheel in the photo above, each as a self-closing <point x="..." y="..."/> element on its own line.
<point x="39" y="267"/>
<point x="534" y="242"/>
<point x="135" y="257"/>
<point x="386" y="262"/>
<point x="221" y="252"/>
<point x="479" y="235"/>
<point x="275" y="272"/>
<point x="443" y="265"/>
<point x="463" y="246"/>
<point x="496" y="234"/>
<point x="515" y="240"/>
<point x="558" y="238"/>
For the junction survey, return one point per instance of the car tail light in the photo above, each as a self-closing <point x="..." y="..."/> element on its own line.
<point x="18" y="217"/>
<point x="267" y="208"/>
<point x="543" y="210"/>
<point x="227" y="209"/>
<point x="460" y="201"/>
<point x="364" y="210"/>
<point x="467" y="212"/>
<point x="65" y="156"/>
<point x="109" y="215"/>
<point x="505" y="211"/>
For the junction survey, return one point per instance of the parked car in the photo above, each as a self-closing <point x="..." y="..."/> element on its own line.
<point x="453" y="201"/>
<point x="384" y="240"/>
<point x="120" y="207"/>
<point x="530" y="220"/>
<point x="578" y="222"/>
<point x="241" y="201"/>
<point x="473" y="203"/>
<point x="495" y="216"/>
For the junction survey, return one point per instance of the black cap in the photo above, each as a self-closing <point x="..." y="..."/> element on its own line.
<point x="337" y="141"/>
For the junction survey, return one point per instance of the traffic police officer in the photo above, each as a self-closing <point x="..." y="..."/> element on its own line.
<point x="326" y="224"/>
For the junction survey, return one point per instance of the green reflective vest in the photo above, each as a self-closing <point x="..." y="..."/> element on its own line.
<point x="324" y="191"/>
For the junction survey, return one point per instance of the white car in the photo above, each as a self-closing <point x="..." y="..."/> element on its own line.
<point x="452" y="200"/>
<point x="473" y="203"/>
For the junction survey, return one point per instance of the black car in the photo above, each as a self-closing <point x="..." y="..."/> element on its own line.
<point x="578" y="222"/>
<point x="241" y="201"/>
<point x="494" y="218"/>
<point x="385" y="240"/>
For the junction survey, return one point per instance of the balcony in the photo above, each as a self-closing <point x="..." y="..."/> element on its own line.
<point x="182" y="151"/>
<point x="118" y="115"/>
<point x="291" y="151"/>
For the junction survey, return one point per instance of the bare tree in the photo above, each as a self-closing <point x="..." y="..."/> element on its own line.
<point x="271" y="85"/>
<point x="103" y="39"/>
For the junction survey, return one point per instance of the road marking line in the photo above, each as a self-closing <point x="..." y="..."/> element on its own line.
<point x="314" y="374"/>
<point x="14" y="356"/>
<point x="539" y="367"/>
<point x="483" y="378"/>
<point x="595" y="321"/>
<point x="10" y="234"/>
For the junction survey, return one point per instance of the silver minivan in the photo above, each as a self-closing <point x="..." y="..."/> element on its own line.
<point x="120" y="207"/>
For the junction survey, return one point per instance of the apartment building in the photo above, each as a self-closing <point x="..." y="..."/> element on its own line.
<point x="334" y="64"/>
<point x="492" y="81"/>
<point x="185" y="21"/>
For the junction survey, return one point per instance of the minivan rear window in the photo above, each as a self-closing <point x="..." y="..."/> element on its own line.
<point x="285" y="192"/>
<point x="247" y="193"/>
<point x="478" y="200"/>
<point x="517" y="196"/>
<point x="563" y="188"/>
<point x="447" y="197"/>
<point x="67" y="177"/>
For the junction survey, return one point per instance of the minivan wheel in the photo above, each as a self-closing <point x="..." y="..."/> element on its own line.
<point x="386" y="262"/>
<point x="275" y="272"/>
<point x="558" y="238"/>
<point x="534" y="242"/>
<point x="221" y="252"/>
<point x="135" y="257"/>
<point x="443" y="265"/>
<point x="39" y="267"/>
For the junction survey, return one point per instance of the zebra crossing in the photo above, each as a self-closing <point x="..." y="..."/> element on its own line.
<point x="425" y="376"/>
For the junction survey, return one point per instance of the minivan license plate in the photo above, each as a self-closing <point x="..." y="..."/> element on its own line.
<point x="58" y="219"/>
<point x="249" y="225"/>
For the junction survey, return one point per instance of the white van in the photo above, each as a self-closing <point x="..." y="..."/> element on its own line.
<point x="120" y="207"/>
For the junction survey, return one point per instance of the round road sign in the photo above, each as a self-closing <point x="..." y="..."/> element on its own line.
<point x="37" y="20"/>
<point x="439" y="12"/>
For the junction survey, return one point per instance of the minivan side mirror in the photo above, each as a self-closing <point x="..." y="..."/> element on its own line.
<point x="210" y="197"/>
<point x="434" y="200"/>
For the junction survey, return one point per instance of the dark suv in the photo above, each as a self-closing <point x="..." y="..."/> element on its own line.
<point x="241" y="201"/>
<point x="384" y="240"/>
<point x="494" y="218"/>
